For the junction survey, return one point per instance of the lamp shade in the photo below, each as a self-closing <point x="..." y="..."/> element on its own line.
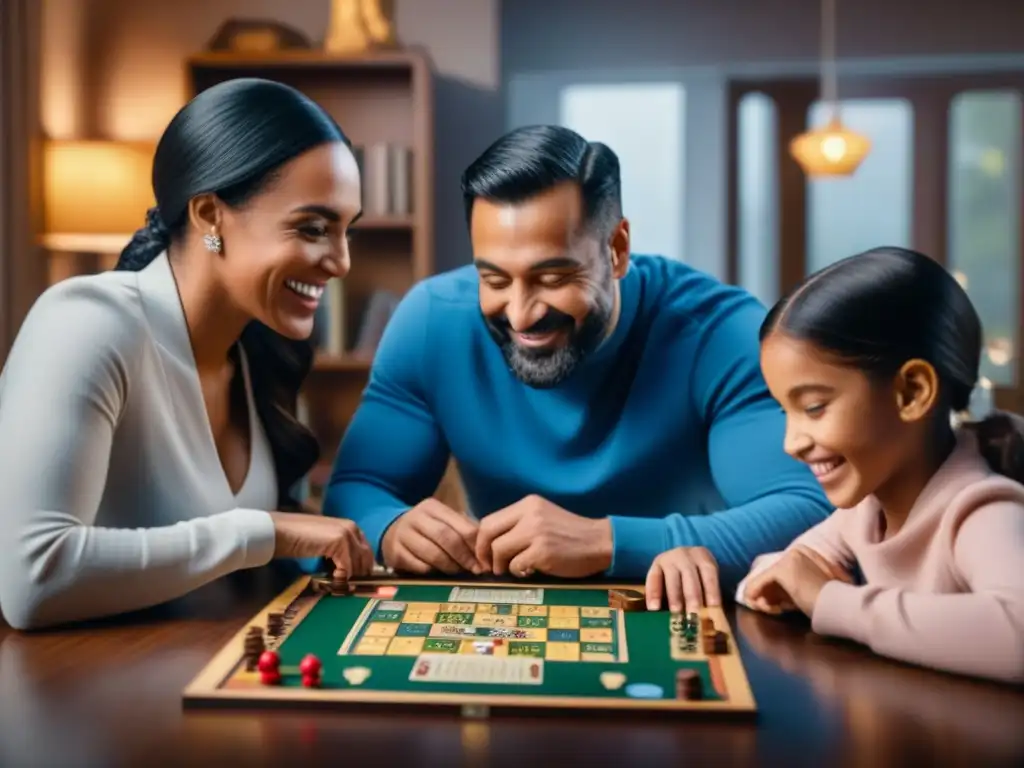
<point x="96" y="193"/>
<point x="830" y="151"/>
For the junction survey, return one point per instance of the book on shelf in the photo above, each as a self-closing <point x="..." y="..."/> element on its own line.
<point x="330" y="333"/>
<point x="386" y="171"/>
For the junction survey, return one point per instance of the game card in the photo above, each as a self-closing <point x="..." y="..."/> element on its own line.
<point x="497" y="596"/>
<point x="501" y="670"/>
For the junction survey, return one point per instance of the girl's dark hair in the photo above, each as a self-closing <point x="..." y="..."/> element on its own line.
<point x="882" y="308"/>
<point x="231" y="140"/>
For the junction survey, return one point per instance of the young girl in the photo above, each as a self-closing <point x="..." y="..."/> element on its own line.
<point x="869" y="358"/>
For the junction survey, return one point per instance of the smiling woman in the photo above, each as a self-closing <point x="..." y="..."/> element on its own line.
<point x="147" y="414"/>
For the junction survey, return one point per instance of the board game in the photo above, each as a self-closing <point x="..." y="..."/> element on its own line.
<point x="479" y="648"/>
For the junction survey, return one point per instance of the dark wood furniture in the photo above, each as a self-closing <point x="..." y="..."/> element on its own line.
<point x="109" y="694"/>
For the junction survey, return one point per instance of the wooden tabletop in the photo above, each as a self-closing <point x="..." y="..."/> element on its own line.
<point x="109" y="694"/>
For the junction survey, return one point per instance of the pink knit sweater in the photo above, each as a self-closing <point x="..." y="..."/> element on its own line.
<point x="947" y="590"/>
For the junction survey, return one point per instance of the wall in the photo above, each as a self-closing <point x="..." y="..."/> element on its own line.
<point x="113" y="69"/>
<point x="537" y="35"/>
<point x="547" y="45"/>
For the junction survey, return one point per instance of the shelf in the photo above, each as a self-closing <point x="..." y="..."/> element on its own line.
<point x="311" y="58"/>
<point x="114" y="243"/>
<point x="325" y="362"/>
<point x="72" y="243"/>
<point x="369" y="222"/>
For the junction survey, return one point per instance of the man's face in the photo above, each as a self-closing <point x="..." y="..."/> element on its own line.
<point x="548" y="290"/>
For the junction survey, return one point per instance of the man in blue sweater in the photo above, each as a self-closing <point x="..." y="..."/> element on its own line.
<point x="602" y="407"/>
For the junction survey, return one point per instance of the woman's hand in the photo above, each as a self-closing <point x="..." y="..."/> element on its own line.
<point x="309" y="535"/>
<point x="687" y="576"/>
<point x="793" y="581"/>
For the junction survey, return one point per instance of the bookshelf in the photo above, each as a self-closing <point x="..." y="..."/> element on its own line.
<point x="381" y="99"/>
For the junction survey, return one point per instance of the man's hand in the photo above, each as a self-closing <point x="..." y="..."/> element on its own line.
<point x="431" y="537"/>
<point x="536" y="536"/>
<point x="687" y="576"/>
<point x="795" y="580"/>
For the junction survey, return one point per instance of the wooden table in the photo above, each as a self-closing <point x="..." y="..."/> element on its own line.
<point x="109" y="694"/>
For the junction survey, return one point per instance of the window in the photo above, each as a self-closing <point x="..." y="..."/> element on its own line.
<point x="984" y="218"/>
<point x="847" y="215"/>
<point x="643" y="124"/>
<point x="758" y="197"/>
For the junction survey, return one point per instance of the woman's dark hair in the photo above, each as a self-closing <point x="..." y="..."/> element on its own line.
<point x="231" y="140"/>
<point x="880" y="309"/>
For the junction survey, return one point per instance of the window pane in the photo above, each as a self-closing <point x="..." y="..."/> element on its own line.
<point x="847" y="215"/>
<point x="984" y="223"/>
<point x="643" y="124"/>
<point x="757" y="191"/>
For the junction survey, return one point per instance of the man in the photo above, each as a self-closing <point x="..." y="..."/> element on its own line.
<point x="602" y="407"/>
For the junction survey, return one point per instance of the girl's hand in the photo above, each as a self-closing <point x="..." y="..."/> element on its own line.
<point x="794" y="581"/>
<point x="686" y="576"/>
<point x="340" y="540"/>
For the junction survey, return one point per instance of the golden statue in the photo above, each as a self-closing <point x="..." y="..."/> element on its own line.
<point x="357" y="26"/>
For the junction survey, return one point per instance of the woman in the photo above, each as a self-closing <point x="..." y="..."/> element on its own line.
<point x="146" y="427"/>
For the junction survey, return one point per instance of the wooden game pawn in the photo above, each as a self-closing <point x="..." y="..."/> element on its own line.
<point x="689" y="685"/>
<point x="253" y="646"/>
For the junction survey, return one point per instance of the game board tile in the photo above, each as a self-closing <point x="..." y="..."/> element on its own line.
<point x="563" y="611"/>
<point x="562" y="651"/>
<point x="520" y="648"/>
<point x="468" y="608"/>
<point x="596" y="635"/>
<point x="441" y="645"/>
<point x="405" y="646"/>
<point x="381" y="629"/>
<point x="563" y="635"/>
<point x="533" y="610"/>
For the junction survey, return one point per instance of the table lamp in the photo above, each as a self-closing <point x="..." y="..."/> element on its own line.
<point x="95" y="194"/>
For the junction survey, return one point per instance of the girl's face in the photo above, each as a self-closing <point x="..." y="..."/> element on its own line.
<point x="853" y="432"/>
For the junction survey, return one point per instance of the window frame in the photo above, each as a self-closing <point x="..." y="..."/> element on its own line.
<point x="931" y="96"/>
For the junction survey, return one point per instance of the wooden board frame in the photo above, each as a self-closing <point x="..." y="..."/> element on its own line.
<point x="207" y="689"/>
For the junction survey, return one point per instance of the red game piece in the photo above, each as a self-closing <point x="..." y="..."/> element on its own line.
<point x="269" y="662"/>
<point x="310" y="666"/>
<point x="311" y="681"/>
<point x="270" y="677"/>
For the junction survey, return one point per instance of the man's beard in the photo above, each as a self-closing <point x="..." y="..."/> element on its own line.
<point x="545" y="368"/>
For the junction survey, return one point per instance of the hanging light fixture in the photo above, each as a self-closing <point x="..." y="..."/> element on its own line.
<point x="832" y="150"/>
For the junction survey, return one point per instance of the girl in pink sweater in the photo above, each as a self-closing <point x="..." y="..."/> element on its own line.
<point x="869" y="358"/>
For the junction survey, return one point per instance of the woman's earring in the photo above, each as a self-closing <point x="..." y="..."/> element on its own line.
<point x="213" y="242"/>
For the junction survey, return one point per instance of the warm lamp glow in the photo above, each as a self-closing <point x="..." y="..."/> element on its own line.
<point x="95" y="191"/>
<point x="830" y="151"/>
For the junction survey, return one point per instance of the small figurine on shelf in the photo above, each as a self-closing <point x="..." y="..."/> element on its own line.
<point x="357" y="26"/>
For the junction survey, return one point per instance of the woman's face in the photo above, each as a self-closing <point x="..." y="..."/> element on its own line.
<point x="284" y="244"/>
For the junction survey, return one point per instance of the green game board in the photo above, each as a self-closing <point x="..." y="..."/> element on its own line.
<point x="562" y="647"/>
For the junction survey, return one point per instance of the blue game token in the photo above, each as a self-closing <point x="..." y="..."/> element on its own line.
<point x="644" y="691"/>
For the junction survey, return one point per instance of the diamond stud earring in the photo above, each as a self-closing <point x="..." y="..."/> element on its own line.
<point x="213" y="243"/>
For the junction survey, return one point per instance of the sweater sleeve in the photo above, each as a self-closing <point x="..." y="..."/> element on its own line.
<point x="979" y="632"/>
<point x="62" y="393"/>
<point x="393" y="454"/>
<point x="770" y="498"/>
